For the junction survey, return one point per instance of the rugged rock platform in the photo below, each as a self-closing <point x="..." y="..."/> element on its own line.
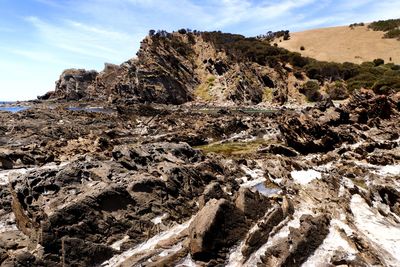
<point x="155" y="185"/>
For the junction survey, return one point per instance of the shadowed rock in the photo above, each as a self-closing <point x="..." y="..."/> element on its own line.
<point x="219" y="225"/>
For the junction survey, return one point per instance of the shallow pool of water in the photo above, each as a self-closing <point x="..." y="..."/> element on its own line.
<point x="266" y="191"/>
<point x="14" y="109"/>
<point x="215" y="111"/>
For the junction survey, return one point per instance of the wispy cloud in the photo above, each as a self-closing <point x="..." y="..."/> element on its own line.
<point x="83" y="39"/>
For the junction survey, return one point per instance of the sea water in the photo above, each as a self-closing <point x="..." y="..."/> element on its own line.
<point x="14" y="109"/>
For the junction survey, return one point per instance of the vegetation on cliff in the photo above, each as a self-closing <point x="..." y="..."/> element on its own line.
<point x="376" y="75"/>
<point x="174" y="68"/>
<point x="391" y="28"/>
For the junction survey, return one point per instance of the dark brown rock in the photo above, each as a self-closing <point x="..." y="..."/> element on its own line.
<point x="306" y="135"/>
<point x="6" y="162"/>
<point x="76" y="252"/>
<point x="212" y="191"/>
<point x="252" y="204"/>
<point x="217" y="226"/>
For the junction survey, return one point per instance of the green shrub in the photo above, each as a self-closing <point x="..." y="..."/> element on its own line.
<point x="337" y="90"/>
<point x="311" y="90"/>
<point x="378" y="62"/>
<point x="363" y="80"/>
<point x="385" y="25"/>
<point x="389" y="81"/>
<point x="369" y="75"/>
<point x="242" y="48"/>
<point x="395" y="33"/>
<point x="356" y="25"/>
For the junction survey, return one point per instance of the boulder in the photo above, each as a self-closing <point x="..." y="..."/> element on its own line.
<point x="73" y="84"/>
<point x="22" y="259"/>
<point x="5" y="162"/>
<point x="219" y="225"/>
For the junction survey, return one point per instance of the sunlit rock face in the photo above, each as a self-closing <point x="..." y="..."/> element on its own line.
<point x="176" y="68"/>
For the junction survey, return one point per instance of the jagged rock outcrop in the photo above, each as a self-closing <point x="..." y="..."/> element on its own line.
<point x="322" y="128"/>
<point x="175" y="68"/>
<point x="253" y="205"/>
<point x="73" y="84"/>
<point x="300" y="243"/>
<point x="88" y="206"/>
<point x="367" y="107"/>
<point x="260" y="236"/>
<point x="306" y="135"/>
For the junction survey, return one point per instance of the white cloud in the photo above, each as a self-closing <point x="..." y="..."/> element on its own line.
<point x="84" y="39"/>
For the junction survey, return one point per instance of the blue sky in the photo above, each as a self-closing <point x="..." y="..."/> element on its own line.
<point x="40" y="38"/>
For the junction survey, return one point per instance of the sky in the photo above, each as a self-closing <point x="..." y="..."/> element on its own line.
<point x="41" y="38"/>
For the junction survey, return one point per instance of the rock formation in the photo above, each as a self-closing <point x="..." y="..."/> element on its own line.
<point x="176" y="68"/>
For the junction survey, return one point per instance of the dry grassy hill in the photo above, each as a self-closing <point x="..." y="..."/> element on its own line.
<point x="341" y="44"/>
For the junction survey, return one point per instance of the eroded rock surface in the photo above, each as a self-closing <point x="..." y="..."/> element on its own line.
<point x="154" y="185"/>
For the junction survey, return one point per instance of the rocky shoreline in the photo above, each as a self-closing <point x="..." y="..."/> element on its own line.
<point x="147" y="185"/>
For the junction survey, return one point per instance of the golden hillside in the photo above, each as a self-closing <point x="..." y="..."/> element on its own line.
<point x="341" y="44"/>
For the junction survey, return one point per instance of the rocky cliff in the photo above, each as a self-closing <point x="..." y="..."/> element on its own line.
<point x="175" y="68"/>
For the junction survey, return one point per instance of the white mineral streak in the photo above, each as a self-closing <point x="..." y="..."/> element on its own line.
<point x="385" y="235"/>
<point x="333" y="242"/>
<point x="187" y="262"/>
<point x="117" y="245"/>
<point x="236" y="258"/>
<point x="7" y="223"/>
<point x="148" y="245"/>
<point x="305" y="177"/>
<point x="256" y="175"/>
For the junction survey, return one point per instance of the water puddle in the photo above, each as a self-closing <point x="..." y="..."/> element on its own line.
<point x="218" y="110"/>
<point x="266" y="191"/>
<point x="234" y="148"/>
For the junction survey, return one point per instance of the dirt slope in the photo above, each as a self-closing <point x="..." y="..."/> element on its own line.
<point x="340" y="44"/>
